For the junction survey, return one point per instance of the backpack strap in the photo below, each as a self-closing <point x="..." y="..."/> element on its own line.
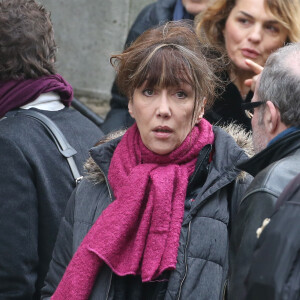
<point x="58" y="137"/>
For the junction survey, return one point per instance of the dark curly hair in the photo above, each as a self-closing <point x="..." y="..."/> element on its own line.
<point x="27" y="45"/>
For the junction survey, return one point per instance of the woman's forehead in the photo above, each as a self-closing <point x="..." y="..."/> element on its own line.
<point x="158" y="83"/>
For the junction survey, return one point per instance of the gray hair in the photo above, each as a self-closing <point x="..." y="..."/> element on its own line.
<point x="280" y="83"/>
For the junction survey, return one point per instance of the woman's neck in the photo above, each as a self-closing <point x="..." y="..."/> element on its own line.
<point x="238" y="77"/>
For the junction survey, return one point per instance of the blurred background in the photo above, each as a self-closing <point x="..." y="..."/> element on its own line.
<point x="87" y="33"/>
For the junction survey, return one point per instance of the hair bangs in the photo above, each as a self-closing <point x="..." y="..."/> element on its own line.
<point x="166" y="67"/>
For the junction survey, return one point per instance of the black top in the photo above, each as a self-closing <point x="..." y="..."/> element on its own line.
<point x="227" y="108"/>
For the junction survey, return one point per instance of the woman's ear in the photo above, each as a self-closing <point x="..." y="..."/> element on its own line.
<point x="130" y="108"/>
<point x="201" y="111"/>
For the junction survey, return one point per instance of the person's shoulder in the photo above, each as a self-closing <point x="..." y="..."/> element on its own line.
<point x="96" y="166"/>
<point x="158" y="11"/>
<point x="71" y="118"/>
<point x="150" y="16"/>
<point x="71" y="114"/>
<point x="93" y="194"/>
<point x="284" y="167"/>
<point x="18" y="128"/>
<point x="145" y="19"/>
<point x="274" y="178"/>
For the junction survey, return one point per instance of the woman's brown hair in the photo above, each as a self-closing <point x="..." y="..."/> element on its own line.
<point x="167" y="56"/>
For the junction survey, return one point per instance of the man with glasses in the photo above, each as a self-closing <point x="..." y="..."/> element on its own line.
<point x="275" y="113"/>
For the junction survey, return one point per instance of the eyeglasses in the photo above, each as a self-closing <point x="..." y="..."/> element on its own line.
<point x="249" y="108"/>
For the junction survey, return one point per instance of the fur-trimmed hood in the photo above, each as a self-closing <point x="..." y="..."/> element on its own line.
<point x="242" y="138"/>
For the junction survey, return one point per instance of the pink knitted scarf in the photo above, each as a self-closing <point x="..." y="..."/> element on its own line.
<point x="138" y="233"/>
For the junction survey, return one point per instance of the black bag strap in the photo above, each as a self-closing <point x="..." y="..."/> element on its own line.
<point x="58" y="137"/>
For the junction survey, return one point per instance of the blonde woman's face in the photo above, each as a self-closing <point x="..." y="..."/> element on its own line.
<point x="252" y="32"/>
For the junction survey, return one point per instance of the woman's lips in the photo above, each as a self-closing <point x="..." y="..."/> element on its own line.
<point x="162" y="132"/>
<point x="249" y="53"/>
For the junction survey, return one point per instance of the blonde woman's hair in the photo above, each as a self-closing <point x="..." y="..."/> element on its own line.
<point x="210" y="23"/>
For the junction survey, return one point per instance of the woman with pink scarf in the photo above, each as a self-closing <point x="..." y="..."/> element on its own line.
<point x="151" y="218"/>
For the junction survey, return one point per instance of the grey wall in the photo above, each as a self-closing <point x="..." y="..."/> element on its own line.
<point x="87" y="32"/>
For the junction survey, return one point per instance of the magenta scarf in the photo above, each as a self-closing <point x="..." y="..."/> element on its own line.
<point x="138" y="233"/>
<point x="15" y="93"/>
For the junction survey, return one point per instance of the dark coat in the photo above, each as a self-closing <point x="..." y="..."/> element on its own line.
<point x="35" y="184"/>
<point x="202" y="262"/>
<point x="273" y="168"/>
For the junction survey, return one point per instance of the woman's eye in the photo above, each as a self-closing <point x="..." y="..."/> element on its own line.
<point x="243" y="21"/>
<point x="148" y="92"/>
<point x="181" y="95"/>
<point x="272" y="28"/>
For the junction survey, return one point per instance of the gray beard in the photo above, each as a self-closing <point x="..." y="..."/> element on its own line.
<point x="259" y="140"/>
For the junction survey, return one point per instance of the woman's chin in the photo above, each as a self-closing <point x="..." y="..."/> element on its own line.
<point x="161" y="149"/>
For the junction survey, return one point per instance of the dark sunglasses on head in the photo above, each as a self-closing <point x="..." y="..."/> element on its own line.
<point x="249" y="108"/>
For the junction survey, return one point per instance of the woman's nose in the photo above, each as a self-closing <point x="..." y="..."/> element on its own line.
<point x="163" y="108"/>
<point x="255" y="34"/>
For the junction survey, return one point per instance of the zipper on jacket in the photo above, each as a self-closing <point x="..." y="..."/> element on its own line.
<point x="185" y="260"/>
<point x="109" y="286"/>
<point x="224" y="289"/>
<point x="110" y="196"/>
<point x="107" y="185"/>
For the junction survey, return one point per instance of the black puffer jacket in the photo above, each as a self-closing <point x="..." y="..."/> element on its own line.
<point x="273" y="168"/>
<point x="202" y="262"/>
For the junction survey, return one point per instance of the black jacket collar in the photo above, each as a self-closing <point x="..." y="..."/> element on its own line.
<point x="278" y="150"/>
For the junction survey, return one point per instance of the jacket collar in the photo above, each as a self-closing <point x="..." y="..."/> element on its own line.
<point x="100" y="156"/>
<point x="222" y="169"/>
<point x="276" y="151"/>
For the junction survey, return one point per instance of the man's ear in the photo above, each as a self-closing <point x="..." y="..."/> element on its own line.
<point x="130" y="108"/>
<point x="272" y="119"/>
